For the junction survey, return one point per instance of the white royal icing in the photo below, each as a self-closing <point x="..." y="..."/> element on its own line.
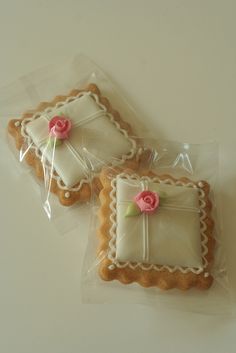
<point x="172" y="238"/>
<point x="95" y="139"/>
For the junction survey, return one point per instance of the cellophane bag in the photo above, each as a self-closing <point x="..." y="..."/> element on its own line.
<point x="155" y="235"/>
<point x="63" y="123"/>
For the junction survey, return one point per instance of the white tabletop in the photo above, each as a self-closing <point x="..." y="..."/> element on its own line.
<point x="175" y="62"/>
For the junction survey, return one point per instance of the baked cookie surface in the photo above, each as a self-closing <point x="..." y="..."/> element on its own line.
<point x="169" y="247"/>
<point x="97" y="136"/>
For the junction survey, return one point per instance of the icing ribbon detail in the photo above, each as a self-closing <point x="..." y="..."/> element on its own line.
<point x="150" y="202"/>
<point x="146" y="203"/>
<point x="59" y="128"/>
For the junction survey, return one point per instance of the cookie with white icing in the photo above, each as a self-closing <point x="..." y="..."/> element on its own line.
<point x="70" y="139"/>
<point x="155" y="230"/>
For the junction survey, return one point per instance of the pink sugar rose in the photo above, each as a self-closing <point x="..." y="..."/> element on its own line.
<point x="147" y="201"/>
<point x="59" y="127"/>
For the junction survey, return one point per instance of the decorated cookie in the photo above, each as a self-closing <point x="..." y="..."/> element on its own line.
<point x="155" y="230"/>
<point x="70" y="138"/>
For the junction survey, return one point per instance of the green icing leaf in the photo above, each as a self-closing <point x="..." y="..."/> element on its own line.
<point x="132" y="210"/>
<point x="51" y="142"/>
<point x="162" y="194"/>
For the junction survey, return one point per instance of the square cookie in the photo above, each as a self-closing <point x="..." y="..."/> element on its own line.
<point x="96" y="136"/>
<point x="168" y="244"/>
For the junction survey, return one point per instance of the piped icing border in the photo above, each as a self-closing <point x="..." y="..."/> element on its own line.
<point x="146" y="267"/>
<point x="47" y="165"/>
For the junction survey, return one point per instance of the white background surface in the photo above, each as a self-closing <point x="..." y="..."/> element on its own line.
<point x="175" y="61"/>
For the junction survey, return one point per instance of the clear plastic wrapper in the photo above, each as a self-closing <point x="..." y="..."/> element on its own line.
<point x="64" y="123"/>
<point x="155" y="235"/>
